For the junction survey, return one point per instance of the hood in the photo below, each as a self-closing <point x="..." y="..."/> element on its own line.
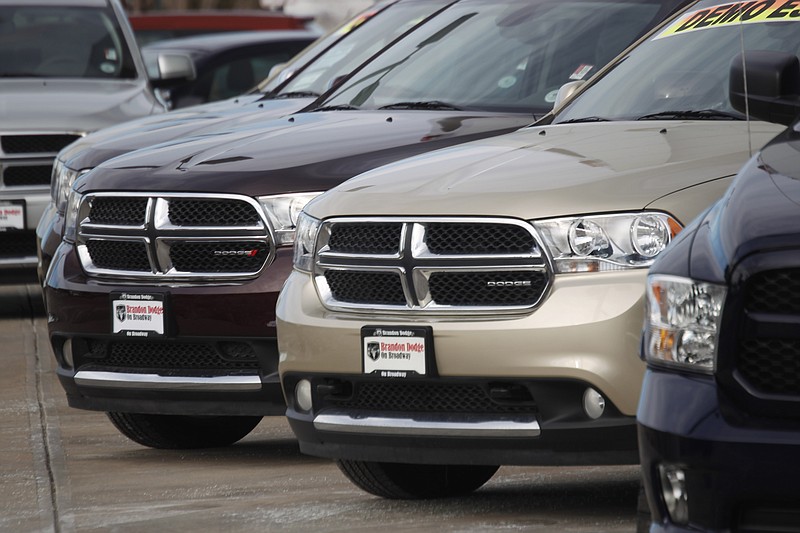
<point x="84" y="105"/>
<point x="214" y="117"/>
<point x="759" y="211"/>
<point x="304" y="152"/>
<point x="552" y="171"/>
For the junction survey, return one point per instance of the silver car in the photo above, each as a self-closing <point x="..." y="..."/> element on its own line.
<point x="67" y="67"/>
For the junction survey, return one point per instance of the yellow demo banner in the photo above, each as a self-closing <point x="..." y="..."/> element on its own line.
<point x="734" y="13"/>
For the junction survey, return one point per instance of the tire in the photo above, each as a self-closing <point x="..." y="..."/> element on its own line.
<point x="179" y="432"/>
<point x="416" y="481"/>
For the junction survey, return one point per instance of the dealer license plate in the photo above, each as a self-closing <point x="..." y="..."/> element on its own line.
<point x="396" y="352"/>
<point x="12" y="215"/>
<point x="137" y="314"/>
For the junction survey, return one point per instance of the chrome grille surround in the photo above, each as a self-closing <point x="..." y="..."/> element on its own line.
<point x="154" y="235"/>
<point x="412" y="264"/>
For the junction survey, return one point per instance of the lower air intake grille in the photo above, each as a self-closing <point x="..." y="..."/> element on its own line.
<point x="181" y="357"/>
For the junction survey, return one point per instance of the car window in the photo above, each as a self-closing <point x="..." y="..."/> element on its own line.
<point x="685" y="67"/>
<point x="238" y="76"/>
<point x="511" y="55"/>
<point x="56" y="41"/>
<point x="366" y="36"/>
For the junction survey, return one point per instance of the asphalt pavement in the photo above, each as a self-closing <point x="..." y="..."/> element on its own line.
<point x="66" y="470"/>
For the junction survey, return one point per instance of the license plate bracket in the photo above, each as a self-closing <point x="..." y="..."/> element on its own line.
<point x="12" y="215"/>
<point x="138" y="314"/>
<point x="398" y="352"/>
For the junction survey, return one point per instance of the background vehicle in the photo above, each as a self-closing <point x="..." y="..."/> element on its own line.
<point x="159" y="25"/>
<point x="718" y="418"/>
<point x="208" y="348"/>
<point x="66" y="68"/>
<point x="302" y="80"/>
<point x="225" y="65"/>
<point x="481" y="305"/>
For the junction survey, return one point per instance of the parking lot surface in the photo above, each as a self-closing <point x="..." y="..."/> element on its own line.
<point x="67" y="470"/>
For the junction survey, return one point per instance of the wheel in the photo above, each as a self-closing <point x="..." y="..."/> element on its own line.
<point x="176" y="432"/>
<point x="412" y="481"/>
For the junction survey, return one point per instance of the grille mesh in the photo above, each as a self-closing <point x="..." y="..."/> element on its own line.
<point x="28" y="175"/>
<point x="472" y="288"/>
<point x="775" y="291"/>
<point x="17" y="244"/>
<point x="35" y="144"/>
<point x="122" y="211"/>
<point x="119" y="255"/>
<point x="366" y="287"/>
<point x="424" y="397"/>
<point x="472" y="239"/>
<point x="366" y="238"/>
<point x="178" y="356"/>
<point x="218" y="256"/>
<point x="212" y="213"/>
<point x="772" y="366"/>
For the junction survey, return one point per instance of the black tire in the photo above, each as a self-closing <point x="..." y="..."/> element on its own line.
<point x="416" y="481"/>
<point x="179" y="432"/>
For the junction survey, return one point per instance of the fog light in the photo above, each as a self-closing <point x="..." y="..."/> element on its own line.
<point x="673" y="488"/>
<point x="66" y="351"/>
<point x="302" y="395"/>
<point x="593" y="403"/>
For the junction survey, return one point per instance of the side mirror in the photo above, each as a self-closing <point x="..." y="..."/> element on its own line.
<point x="276" y="69"/>
<point x="566" y="91"/>
<point x="766" y="84"/>
<point x="168" y="68"/>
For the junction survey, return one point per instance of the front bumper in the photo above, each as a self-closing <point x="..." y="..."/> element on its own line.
<point x="584" y="335"/>
<point x="738" y="478"/>
<point x="218" y="354"/>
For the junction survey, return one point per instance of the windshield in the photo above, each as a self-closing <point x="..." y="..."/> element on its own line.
<point x="682" y="71"/>
<point x="506" y="56"/>
<point x="360" y="39"/>
<point x="55" y="41"/>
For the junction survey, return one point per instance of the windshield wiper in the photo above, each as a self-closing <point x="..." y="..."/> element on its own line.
<point x="432" y="104"/>
<point x="700" y="114"/>
<point x="584" y="119"/>
<point x="297" y="94"/>
<point x="342" y="107"/>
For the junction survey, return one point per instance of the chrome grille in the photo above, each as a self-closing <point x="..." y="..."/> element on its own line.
<point x="173" y="236"/>
<point x="436" y="265"/>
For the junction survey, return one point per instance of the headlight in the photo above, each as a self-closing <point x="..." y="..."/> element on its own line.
<point x="307" y="231"/>
<point x="71" y="216"/>
<point x="607" y="242"/>
<point x="682" y="321"/>
<point x="61" y="183"/>
<point x="283" y="211"/>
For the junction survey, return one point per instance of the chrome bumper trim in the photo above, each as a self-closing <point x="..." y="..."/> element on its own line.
<point x="118" y="380"/>
<point x="523" y="426"/>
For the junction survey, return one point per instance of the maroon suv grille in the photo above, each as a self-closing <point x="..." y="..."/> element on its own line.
<point x="119" y="255"/>
<point x="193" y="212"/>
<point x="775" y="291"/>
<point x="35" y="144"/>
<point x="118" y="211"/>
<point x="129" y="356"/>
<point x="218" y="256"/>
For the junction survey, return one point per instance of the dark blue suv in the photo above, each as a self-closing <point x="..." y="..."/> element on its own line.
<point x="719" y="417"/>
